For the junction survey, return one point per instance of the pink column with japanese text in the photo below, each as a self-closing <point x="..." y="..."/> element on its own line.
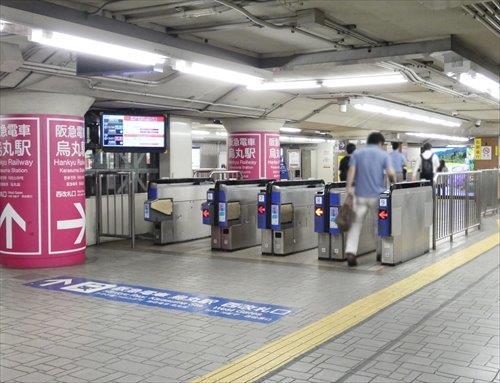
<point x="255" y="154"/>
<point x="42" y="190"/>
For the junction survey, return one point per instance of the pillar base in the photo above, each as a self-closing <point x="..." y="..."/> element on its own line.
<point x="15" y="262"/>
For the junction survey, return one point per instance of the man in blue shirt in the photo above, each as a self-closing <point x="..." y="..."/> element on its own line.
<point x="398" y="160"/>
<point x="365" y="181"/>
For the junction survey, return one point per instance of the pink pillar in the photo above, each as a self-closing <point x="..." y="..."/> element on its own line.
<point x="42" y="180"/>
<point x="253" y="147"/>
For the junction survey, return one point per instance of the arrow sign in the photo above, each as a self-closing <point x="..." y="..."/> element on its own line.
<point x="74" y="223"/>
<point x="382" y="214"/>
<point x="261" y="209"/>
<point x="206" y="213"/>
<point x="9" y="215"/>
<point x="319" y="212"/>
<point x="50" y="282"/>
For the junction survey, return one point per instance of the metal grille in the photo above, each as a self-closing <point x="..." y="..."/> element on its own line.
<point x="115" y="197"/>
<point x="456" y="204"/>
<point x="489" y="190"/>
<point x="217" y="174"/>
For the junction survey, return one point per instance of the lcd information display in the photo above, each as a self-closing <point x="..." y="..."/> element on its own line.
<point x="133" y="133"/>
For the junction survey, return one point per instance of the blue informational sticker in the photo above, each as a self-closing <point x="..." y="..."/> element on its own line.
<point x="334" y="212"/>
<point x="166" y="299"/>
<point x="275" y="215"/>
<point x="222" y="212"/>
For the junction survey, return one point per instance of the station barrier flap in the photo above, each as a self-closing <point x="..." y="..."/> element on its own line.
<point x="233" y="211"/>
<point x="286" y="213"/>
<point x="165" y="206"/>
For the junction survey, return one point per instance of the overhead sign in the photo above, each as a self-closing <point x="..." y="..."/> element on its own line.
<point x="166" y="299"/>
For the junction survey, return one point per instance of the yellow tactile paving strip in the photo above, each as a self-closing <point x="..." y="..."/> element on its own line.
<point x="276" y="354"/>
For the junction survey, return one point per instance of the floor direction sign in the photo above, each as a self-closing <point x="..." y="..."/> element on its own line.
<point x="167" y="299"/>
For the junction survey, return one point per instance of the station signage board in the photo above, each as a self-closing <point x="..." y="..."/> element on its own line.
<point x="42" y="189"/>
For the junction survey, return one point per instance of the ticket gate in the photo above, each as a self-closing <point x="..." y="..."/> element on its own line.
<point x="230" y="210"/>
<point x="332" y="240"/>
<point x="404" y="221"/>
<point x="286" y="217"/>
<point x="173" y="206"/>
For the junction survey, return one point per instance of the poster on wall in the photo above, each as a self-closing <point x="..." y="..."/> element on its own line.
<point x="477" y="148"/>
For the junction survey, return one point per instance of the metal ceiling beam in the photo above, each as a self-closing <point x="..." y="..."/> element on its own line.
<point x="360" y="55"/>
<point x="120" y="27"/>
<point x="404" y="51"/>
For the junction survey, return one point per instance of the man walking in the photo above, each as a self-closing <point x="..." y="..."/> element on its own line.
<point x="366" y="172"/>
<point x="398" y="160"/>
<point x="427" y="164"/>
<point x="344" y="162"/>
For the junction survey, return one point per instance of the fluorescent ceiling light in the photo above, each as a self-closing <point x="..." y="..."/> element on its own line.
<point x="381" y="79"/>
<point x="481" y="83"/>
<point x="215" y="73"/>
<point x="96" y="48"/>
<point x="284" y="85"/>
<point x="456" y="146"/>
<point x="200" y="132"/>
<point x="290" y="130"/>
<point x="439" y="137"/>
<point x="221" y="134"/>
<point x="402" y="111"/>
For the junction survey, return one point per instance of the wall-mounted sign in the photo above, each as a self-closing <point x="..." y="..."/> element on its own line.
<point x="486" y="152"/>
<point x="477" y="148"/>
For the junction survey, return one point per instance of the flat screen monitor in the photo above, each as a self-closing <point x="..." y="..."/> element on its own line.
<point x="133" y="132"/>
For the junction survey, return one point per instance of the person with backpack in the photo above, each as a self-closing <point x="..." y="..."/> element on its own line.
<point x="344" y="162"/>
<point x="427" y="164"/>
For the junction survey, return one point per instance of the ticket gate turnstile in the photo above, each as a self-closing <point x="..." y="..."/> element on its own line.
<point x="173" y="206"/>
<point x="286" y="218"/>
<point x="332" y="240"/>
<point x="404" y="221"/>
<point x="230" y="210"/>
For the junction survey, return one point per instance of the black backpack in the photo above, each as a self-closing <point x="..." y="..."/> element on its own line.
<point x="427" y="168"/>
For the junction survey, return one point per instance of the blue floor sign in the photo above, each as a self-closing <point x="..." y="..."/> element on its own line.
<point x="167" y="299"/>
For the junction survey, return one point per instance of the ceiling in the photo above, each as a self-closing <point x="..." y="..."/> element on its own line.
<point x="313" y="39"/>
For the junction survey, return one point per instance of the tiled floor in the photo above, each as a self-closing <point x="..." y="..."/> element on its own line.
<point x="55" y="337"/>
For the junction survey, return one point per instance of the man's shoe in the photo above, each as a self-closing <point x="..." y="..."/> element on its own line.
<point x="351" y="259"/>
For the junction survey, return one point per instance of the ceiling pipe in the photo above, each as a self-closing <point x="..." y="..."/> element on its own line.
<point x="413" y="77"/>
<point x="71" y="74"/>
<point x="218" y="27"/>
<point x="485" y="15"/>
<point x="476" y="16"/>
<point x="266" y="24"/>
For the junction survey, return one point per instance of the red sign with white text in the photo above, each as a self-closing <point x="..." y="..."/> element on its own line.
<point x="66" y="187"/>
<point x="255" y="154"/>
<point x="42" y="190"/>
<point x="20" y="175"/>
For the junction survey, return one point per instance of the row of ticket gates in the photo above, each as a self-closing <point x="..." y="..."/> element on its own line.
<point x="285" y="217"/>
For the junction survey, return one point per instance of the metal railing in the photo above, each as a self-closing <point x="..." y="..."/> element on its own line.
<point x="217" y="174"/>
<point x="115" y="195"/>
<point x="490" y="192"/>
<point x="457" y="204"/>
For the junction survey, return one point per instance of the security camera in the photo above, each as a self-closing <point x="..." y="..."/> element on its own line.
<point x="477" y="124"/>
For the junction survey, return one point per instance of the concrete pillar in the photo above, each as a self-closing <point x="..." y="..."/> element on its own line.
<point x="325" y="164"/>
<point x="42" y="179"/>
<point x="254" y="147"/>
<point x="177" y="161"/>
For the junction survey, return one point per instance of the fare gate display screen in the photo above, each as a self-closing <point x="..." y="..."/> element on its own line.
<point x="134" y="133"/>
